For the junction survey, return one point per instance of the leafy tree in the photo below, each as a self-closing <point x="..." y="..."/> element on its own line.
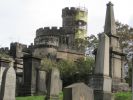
<point x="75" y="71"/>
<point x="92" y="43"/>
<point x="125" y="33"/>
<point x="70" y="71"/>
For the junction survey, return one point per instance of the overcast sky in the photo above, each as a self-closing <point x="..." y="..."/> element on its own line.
<point x="19" y="19"/>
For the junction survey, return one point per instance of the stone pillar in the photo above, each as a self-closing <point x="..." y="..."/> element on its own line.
<point x="53" y="87"/>
<point x="42" y="83"/>
<point x="31" y="66"/>
<point x="116" y="54"/>
<point x="101" y="82"/>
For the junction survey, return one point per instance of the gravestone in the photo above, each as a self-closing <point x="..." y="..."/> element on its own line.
<point x="78" y="91"/>
<point x="4" y="63"/>
<point x="8" y="84"/>
<point x="42" y="82"/>
<point x="53" y="88"/>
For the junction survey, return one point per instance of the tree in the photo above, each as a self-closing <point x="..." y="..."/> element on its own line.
<point x="125" y="33"/>
<point x="92" y="43"/>
<point x="75" y="71"/>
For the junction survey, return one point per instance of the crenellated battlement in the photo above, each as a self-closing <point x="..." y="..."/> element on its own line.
<point x="55" y="31"/>
<point x="71" y="11"/>
<point x="4" y="50"/>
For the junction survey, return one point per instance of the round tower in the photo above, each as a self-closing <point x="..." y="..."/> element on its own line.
<point x="75" y="22"/>
<point x="46" y="42"/>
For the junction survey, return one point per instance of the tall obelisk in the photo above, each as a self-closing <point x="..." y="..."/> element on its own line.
<point x="102" y="82"/>
<point x="117" y="57"/>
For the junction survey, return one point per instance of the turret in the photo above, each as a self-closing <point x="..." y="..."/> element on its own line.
<point x="75" y="22"/>
<point x="46" y="41"/>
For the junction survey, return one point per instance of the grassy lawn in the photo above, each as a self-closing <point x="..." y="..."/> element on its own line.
<point x="123" y="96"/>
<point x="118" y="96"/>
<point x="36" y="97"/>
<point x="30" y="98"/>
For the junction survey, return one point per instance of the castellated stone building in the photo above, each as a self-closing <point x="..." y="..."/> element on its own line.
<point x="65" y="42"/>
<point x="55" y="43"/>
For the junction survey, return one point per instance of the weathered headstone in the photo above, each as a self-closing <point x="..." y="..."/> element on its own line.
<point x="78" y="91"/>
<point x="4" y="63"/>
<point x="53" y="88"/>
<point x="8" y="84"/>
<point x="42" y="82"/>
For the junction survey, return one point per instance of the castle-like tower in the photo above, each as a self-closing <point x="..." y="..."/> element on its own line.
<point x="75" y="23"/>
<point x="59" y="43"/>
<point x="46" y="42"/>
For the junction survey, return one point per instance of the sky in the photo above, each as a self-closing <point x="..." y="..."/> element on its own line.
<point x="19" y="19"/>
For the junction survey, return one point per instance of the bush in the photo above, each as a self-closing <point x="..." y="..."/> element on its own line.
<point x="123" y="96"/>
<point x="70" y="71"/>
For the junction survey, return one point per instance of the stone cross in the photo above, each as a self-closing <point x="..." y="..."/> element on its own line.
<point x="8" y="84"/>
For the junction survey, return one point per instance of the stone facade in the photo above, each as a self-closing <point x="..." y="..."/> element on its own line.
<point x="53" y="41"/>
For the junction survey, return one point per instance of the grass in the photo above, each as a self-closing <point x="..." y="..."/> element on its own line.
<point x="36" y="97"/>
<point x="30" y="98"/>
<point x="123" y="96"/>
<point x="118" y="96"/>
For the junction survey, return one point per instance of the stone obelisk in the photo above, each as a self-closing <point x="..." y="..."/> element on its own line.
<point x="117" y="57"/>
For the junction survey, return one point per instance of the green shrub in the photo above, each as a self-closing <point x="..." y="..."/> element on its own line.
<point x="123" y="96"/>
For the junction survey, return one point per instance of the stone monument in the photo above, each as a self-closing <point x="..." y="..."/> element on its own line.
<point x="4" y="63"/>
<point x="42" y="83"/>
<point x="78" y="91"/>
<point x="8" y="84"/>
<point x="31" y="69"/>
<point x="102" y="79"/>
<point x="101" y="82"/>
<point x="117" y="57"/>
<point x="53" y="87"/>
